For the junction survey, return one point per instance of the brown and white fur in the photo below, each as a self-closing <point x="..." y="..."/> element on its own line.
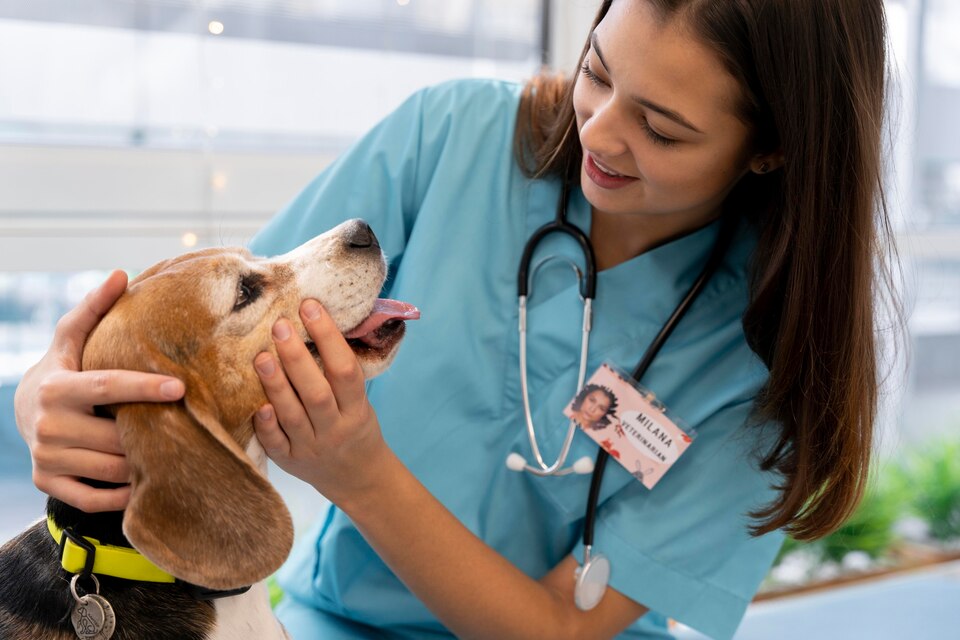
<point x="201" y="507"/>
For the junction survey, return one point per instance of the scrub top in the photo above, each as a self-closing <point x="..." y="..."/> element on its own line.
<point x="438" y="183"/>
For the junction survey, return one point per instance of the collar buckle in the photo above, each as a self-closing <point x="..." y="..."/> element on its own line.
<point x="83" y="543"/>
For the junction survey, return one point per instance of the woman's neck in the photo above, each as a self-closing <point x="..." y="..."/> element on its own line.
<point x="618" y="238"/>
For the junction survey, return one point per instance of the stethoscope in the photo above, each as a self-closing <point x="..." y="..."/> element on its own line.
<point x="593" y="576"/>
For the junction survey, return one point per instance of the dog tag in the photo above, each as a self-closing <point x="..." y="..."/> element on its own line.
<point x="87" y="618"/>
<point x="93" y="617"/>
<point x="109" y="617"/>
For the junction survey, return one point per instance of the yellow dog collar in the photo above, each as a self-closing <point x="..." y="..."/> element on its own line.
<point x="80" y="554"/>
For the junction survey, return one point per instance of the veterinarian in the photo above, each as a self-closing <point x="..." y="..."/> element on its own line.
<point x="683" y="117"/>
<point x="592" y="405"/>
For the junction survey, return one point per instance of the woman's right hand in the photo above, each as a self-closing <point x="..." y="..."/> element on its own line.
<point x="54" y="408"/>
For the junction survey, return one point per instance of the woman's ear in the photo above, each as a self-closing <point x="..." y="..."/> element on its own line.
<point x="767" y="162"/>
<point x="199" y="508"/>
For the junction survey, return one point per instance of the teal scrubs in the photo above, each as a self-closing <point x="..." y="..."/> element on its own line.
<point x="438" y="183"/>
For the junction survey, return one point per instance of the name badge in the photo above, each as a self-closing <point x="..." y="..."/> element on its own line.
<point x="629" y="422"/>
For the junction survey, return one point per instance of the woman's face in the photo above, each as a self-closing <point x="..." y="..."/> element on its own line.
<point x="656" y="114"/>
<point x="594" y="406"/>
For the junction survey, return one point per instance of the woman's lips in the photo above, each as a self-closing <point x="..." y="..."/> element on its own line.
<point x="602" y="178"/>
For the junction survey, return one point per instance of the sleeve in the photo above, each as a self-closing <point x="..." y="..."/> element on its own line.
<point x="379" y="179"/>
<point x="683" y="549"/>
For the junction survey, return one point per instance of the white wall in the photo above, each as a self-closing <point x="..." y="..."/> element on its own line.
<point x="70" y="209"/>
<point x="155" y="135"/>
<point x="570" y="25"/>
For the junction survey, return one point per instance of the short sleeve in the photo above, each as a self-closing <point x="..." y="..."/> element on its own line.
<point x="426" y="147"/>
<point x="683" y="549"/>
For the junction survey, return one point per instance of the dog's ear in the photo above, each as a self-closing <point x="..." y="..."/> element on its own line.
<point x="199" y="508"/>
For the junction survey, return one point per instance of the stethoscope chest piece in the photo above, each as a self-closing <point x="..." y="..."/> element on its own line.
<point x="592" y="580"/>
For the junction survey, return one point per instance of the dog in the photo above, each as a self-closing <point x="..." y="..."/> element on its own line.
<point x="202" y="513"/>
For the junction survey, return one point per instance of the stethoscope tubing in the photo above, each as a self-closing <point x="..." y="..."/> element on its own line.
<point x="709" y="268"/>
<point x="588" y="288"/>
<point x="593" y="575"/>
<point x="588" y="284"/>
<point x="588" y="291"/>
<point x="542" y="468"/>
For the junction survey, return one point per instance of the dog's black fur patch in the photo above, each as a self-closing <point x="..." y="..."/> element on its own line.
<point x="35" y="599"/>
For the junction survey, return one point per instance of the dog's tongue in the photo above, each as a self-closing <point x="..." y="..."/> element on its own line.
<point x="383" y="311"/>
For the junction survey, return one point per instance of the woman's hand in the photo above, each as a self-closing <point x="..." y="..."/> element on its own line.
<point x="321" y="428"/>
<point x="54" y="406"/>
<point x="319" y="425"/>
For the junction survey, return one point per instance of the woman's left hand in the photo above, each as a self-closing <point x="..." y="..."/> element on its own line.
<point x="319" y="425"/>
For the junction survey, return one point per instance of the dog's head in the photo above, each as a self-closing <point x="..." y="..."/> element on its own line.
<point x="200" y="508"/>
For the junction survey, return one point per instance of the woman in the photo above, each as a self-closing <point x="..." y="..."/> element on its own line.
<point x="592" y="405"/>
<point x="767" y="113"/>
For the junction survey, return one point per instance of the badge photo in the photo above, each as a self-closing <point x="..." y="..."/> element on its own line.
<point x="629" y="422"/>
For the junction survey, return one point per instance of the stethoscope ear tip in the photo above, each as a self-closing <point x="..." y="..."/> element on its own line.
<point x="583" y="466"/>
<point x="516" y="462"/>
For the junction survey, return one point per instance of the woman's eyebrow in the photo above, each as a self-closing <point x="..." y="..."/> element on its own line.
<point x="653" y="106"/>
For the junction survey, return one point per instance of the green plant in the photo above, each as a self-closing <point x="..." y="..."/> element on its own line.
<point x="933" y="474"/>
<point x="869" y="529"/>
<point x="276" y="592"/>
<point x="926" y="484"/>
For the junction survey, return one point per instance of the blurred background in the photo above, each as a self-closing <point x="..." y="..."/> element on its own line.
<point x="133" y="130"/>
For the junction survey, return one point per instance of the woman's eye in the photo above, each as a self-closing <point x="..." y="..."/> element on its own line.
<point x="655" y="137"/>
<point x="591" y="75"/>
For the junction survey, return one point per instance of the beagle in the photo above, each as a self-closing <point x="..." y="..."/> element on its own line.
<point x="203" y="523"/>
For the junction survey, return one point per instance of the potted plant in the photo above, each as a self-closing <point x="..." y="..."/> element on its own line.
<point x="909" y="516"/>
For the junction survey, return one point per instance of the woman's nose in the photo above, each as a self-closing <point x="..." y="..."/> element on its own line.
<point x="602" y="132"/>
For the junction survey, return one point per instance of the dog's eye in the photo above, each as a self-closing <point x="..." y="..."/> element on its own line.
<point x="243" y="295"/>
<point x="248" y="290"/>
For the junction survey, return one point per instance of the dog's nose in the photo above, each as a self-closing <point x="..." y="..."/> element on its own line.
<point x="361" y="236"/>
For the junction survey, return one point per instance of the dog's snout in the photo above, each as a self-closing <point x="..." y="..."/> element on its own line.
<point x="361" y="236"/>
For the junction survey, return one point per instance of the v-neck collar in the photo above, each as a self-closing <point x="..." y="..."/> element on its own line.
<point x="636" y="293"/>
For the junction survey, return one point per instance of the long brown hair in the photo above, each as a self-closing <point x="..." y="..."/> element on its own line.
<point x="813" y="78"/>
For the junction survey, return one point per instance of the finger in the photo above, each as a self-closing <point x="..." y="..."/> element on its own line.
<point x="81" y="463"/>
<point x="304" y="374"/>
<point x="83" y="432"/>
<point x="85" y="497"/>
<point x="289" y="410"/>
<point x="76" y="325"/>
<point x="340" y="365"/>
<point x="113" y="386"/>
<point x="272" y="438"/>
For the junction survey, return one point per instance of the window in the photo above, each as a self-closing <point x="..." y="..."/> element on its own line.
<point x="931" y="243"/>
<point x="132" y="130"/>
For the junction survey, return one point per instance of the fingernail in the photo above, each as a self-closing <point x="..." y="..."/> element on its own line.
<point x="311" y="309"/>
<point x="265" y="413"/>
<point x="281" y="330"/>
<point x="171" y="389"/>
<point x="265" y="366"/>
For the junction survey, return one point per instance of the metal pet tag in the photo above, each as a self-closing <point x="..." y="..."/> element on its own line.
<point x="109" y="617"/>
<point x="93" y="617"/>
<point x="87" y="618"/>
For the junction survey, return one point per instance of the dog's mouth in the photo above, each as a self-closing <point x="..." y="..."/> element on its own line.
<point x="379" y="333"/>
<point x="380" y="341"/>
